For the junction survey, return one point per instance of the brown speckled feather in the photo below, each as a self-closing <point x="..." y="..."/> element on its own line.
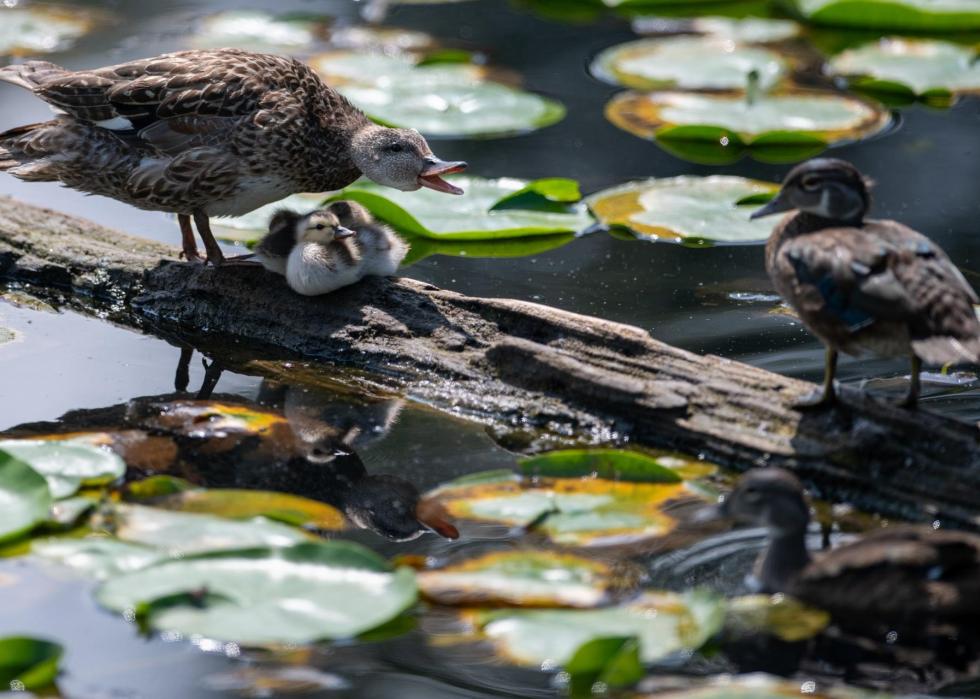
<point x="882" y="288"/>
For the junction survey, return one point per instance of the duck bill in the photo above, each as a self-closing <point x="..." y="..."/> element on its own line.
<point x="433" y="516"/>
<point x="431" y="175"/>
<point x="341" y="233"/>
<point x="776" y="205"/>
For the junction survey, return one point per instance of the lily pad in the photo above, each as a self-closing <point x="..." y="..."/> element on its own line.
<point x="583" y="512"/>
<point x="25" y="500"/>
<point x="28" y="663"/>
<point x="613" y="662"/>
<point x="260" y="31"/>
<point x="760" y="686"/>
<point x="912" y="15"/>
<point x="917" y="65"/>
<point x="38" y="29"/>
<point x="441" y="99"/>
<point x="521" y="578"/>
<point x="611" y="464"/>
<point x="240" y="504"/>
<point x="188" y="533"/>
<point x="778" y="615"/>
<point x="688" y="63"/>
<point x="663" y="623"/>
<point x="262" y="596"/>
<point x="100" y="557"/>
<point x="67" y="465"/>
<point x="783" y="126"/>
<point x="687" y="208"/>
<point x="747" y="30"/>
<point x="422" y="248"/>
<point x="470" y="216"/>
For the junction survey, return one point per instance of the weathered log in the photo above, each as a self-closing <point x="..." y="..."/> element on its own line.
<point x="536" y="375"/>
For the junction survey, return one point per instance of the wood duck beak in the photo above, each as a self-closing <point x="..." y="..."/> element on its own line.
<point x="776" y="205"/>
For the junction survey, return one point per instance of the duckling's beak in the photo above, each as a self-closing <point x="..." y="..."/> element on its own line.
<point x="430" y="175"/>
<point x="776" y="205"/>
<point x="340" y="233"/>
<point x="434" y="516"/>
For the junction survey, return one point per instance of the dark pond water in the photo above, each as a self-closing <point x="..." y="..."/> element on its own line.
<point x="707" y="300"/>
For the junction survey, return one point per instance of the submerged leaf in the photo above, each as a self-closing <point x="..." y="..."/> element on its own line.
<point x="299" y="594"/>
<point x="67" y="465"/>
<point x="28" y="663"/>
<point x="715" y="208"/>
<point x="914" y="15"/>
<point x="25" y="500"/>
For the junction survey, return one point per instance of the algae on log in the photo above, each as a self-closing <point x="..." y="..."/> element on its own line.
<point x="534" y="374"/>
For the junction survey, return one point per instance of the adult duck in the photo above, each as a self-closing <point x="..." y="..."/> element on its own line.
<point x="207" y="133"/>
<point x="893" y="573"/>
<point x="865" y="286"/>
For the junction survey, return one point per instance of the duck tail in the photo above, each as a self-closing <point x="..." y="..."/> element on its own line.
<point x="22" y="153"/>
<point x="30" y="75"/>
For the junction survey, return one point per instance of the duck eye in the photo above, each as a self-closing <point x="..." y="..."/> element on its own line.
<point x="396" y="148"/>
<point x="810" y="182"/>
<point x="320" y="226"/>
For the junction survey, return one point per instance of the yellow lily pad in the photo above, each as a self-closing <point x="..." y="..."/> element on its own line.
<point x="243" y="504"/>
<point x="522" y="578"/>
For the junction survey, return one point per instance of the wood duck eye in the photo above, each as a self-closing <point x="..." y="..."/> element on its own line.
<point x="810" y="182"/>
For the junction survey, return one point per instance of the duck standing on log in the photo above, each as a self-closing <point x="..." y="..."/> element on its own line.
<point x="207" y="133"/>
<point x="865" y="286"/>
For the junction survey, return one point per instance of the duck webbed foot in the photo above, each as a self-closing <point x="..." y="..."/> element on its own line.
<point x="826" y="396"/>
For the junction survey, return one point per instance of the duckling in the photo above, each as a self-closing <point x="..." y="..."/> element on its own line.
<point x="324" y="257"/>
<point x="382" y="250"/>
<point x="286" y="227"/>
<point x="895" y="573"/>
<point x="865" y="286"/>
<point x="207" y="133"/>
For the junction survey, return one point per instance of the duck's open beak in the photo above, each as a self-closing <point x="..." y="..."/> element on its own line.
<point x="430" y="175"/>
<point x="776" y="205"/>
<point x="342" y="233"/>
<point x="433" y="516"/>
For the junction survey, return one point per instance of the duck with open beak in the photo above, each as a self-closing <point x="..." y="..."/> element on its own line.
<point x="434" y="168"/>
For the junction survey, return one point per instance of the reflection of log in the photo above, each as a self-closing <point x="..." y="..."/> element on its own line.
<point x="531" y="372"/>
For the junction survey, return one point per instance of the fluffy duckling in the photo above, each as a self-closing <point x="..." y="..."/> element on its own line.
<point x="286" y="227"/>
<point x="324" y="257"/>
<point x="382" y="250"/>
<point x="895" y="573"/>
<point x="865" y="286"/>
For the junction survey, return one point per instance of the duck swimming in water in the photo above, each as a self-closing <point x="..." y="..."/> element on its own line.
<point x="324" y="257"/>
<point x="865" y="286"/>
<point x="382" y="250"/>
<point x="207" y="133"/>
<point x="893" y="573"/>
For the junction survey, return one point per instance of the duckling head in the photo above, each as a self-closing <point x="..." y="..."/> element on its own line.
<point x="826" y="187"/>
<point x="402" y="159"/>
<point x="351" y="214"/>
<point x="321" y="226"/>
<point x="771" y="498"/>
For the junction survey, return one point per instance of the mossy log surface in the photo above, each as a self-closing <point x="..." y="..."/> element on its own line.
<point x="535" y="375"/>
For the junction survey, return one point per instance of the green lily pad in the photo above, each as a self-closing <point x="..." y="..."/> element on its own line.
<point x="422" y="248"/>
<point x="686" y="208"/>
<point x="778" y="615"/>
<point x="254" y="225"/>
<point x="441" y="99"/>
<point x="746" y="30"/>
<point x="28" y="663"/>
<point x="760" y="686"/>
<point x="918" y="65"/>
<point x="468" y="217"/>
<point x="262" y="596"/>
<point x="188" y="533"/>
<point x="912" y="15"/>
<point x="613" y="662"/>
<point x="583" y="512"/>
<point x="260" y="31"/>
<point x="521" y="578"/>
<point x="242" y="504"/>
<point x="38" y="29"/>
<point x="688" y="63"/>
<point x="611" y="464"/>
<point x="68" y="512"/>
<point x="25" y="500"/>
<point x="67" y="465"/>
<point x="100" y="557"/>
<point x="663" y="623"/>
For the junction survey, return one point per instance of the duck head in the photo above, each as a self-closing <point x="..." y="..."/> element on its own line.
<point x="392" y="507"/>
<point x="401" y="158"/>
<point x="825" y="187"/>
<point x="351" y="214"/>
<point x="770" y="498"/>
<point x="320" y="226"/>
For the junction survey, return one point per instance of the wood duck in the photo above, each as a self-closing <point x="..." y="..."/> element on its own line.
<point x="324" y="257"/>
<point x="382" y="250"/>
<point x="865" y="286"/>
<point x="207" y="133"/>
<point x="896" y="572"/>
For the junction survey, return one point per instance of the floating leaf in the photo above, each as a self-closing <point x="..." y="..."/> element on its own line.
<point x="714" y="208"/>
<point x="470" y="216"/>
<point x="255" y="224"/>
<point x="611" y="464"/>
<point x="613" y="662"/>
<point x="522" y="578"/>
<point x="688" y="63"/>
<point x="98" y="556"/>
<point x="67" y="465"/>
<point x="186" y="533"/>
<point x="66" y="513"/>
<point x="919" y="65"/>
<point x="781" y="616"/>
<point x="300" y="594"/>
<point x="442" y="99"/>
<point x="570" y="511"/>
<point x="508" y="247"/>
<point x="36" y="29"/>
<point x="240" y="504"/>
<point x="157" y="486"/>
<point x="28" y="663"/>
<point x="913" y="15"/>
<point x="747" y="30"/>
<point x="25" y="500"/>
<point x="663" y="623"/>
<point x="260" y="31"/>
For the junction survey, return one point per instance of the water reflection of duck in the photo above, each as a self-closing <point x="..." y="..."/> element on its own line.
<point x="382" y="250"/>
<point x="898" y="572"/>
<point x="865" y="286"/>
<point x="207" y="133"/>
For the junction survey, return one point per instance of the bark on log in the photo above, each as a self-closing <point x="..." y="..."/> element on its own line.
<point x="535" y="374"/>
